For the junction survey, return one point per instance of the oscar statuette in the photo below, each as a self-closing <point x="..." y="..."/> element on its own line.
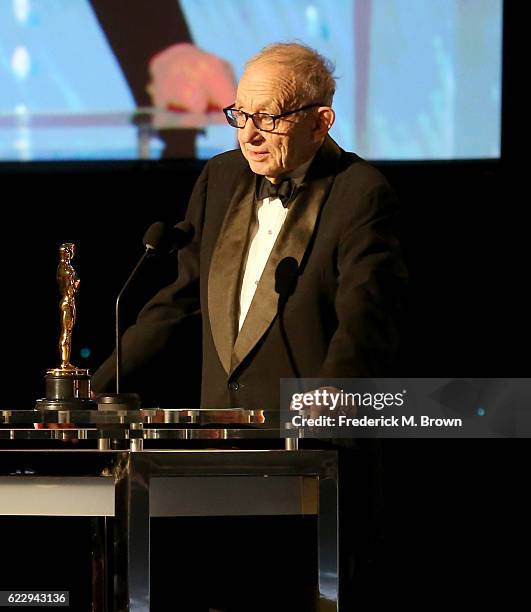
<point x="67" y="387"/>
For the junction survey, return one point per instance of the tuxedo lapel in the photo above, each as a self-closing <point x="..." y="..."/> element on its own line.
<point x="292" y="242"/>
<point x="225" y="267"/>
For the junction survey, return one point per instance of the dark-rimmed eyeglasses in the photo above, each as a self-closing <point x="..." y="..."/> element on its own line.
<point x="262" y="121"/>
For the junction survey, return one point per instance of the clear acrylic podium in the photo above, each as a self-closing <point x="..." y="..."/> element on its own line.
<point x="124" y="468"/>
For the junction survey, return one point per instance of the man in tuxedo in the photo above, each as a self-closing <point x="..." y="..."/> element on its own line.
<point x="294" y="264"/>
<point x="294" y="267"/>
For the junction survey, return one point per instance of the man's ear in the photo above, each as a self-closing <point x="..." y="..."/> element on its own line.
<point x="325" y="120"/>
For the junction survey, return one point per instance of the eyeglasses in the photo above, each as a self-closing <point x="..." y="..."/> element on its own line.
<point x="262" y="121"/>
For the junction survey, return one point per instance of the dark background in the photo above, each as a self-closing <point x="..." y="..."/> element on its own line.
<point x="456" y="512"/>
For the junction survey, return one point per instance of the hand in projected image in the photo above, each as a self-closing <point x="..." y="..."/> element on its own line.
<point x="184" y="78"/>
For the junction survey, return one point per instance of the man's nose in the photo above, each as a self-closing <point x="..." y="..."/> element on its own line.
<point x="249" y="132"/>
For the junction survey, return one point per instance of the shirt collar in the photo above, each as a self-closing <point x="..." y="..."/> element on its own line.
<point x="296" y="176"/>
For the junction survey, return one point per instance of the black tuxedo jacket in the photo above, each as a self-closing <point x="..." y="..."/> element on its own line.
<point x="336" y="263"/>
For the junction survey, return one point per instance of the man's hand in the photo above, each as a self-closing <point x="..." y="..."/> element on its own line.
<point x="184" y="78"/>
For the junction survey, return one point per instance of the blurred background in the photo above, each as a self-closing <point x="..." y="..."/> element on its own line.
<point x="416" y="79"/>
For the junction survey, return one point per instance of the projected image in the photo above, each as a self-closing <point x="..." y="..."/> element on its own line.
<point x="94" y="79"/>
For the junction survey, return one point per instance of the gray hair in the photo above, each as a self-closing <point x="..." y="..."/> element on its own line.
<point x="312" y="73"/>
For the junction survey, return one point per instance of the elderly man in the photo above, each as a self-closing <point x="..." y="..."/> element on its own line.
<point x="294" y="264"/>
<point x="294" y="267"/>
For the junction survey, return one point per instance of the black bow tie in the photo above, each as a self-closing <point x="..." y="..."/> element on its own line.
<point x="283" y="190"/>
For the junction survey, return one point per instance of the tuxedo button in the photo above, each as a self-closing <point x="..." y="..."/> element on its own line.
<point x="234" y="385"/>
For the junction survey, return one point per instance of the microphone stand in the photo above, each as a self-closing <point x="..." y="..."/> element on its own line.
<point x="117" y="326"/>
<point x="119" y="400"/>
<point x="155" y="237"/>
<point x="285" y="282"/>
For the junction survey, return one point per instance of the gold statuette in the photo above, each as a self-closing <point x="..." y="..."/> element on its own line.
<point x="68" y="286"/>
<point x="67" y="387"/>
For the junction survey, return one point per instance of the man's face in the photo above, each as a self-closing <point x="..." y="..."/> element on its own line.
<point x="268" y="88"/>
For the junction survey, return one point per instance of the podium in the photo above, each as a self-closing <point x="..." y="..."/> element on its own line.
<point x="128" y="467"/>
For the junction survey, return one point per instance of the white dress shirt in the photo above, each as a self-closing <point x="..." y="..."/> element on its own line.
<point x="269" y="218"/>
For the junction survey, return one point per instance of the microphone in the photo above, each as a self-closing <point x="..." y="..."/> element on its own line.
<point x="286" y="277"/>
<point x="286" y="274"/>
<point x="159" y="238"/>
<point x="154" y="235"/>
